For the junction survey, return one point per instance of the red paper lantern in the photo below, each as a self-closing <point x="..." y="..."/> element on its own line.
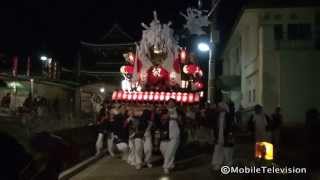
<point x="196" y="97"/>
<point x="168" y="96"/>
<point x="129" y="96"/>
<point x="134" y="96"/>
<point x="179" y="96"/>
<point x="199" y="85"/>
<point x="190" y="98"/>
<point x="173" y="95"/>
<point x="151" y="96"/>
<point x="124" y="96"/>
<point x="185" y="97"/>
<point x="140" y="96"/>
<point x="191" y="69"/>
<point x="114" y="95"/>
<point x="145" y="96"/>
<point x="156" y="96"/>
<point x="162" y="96"/>
<point x="127" y="69"/>
<point x="119" y="95"/>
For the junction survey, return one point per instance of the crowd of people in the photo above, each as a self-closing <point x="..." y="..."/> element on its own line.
<point x="137" y="131"/>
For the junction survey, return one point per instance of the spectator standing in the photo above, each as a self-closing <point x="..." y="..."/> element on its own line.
<point x="259" y="124"/>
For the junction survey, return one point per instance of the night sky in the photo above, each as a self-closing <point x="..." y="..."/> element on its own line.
<point x="57" y="26"/>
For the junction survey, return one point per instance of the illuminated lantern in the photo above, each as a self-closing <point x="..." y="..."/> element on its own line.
<point x="129" y="96"/>
<point x="196" y="97"/>
<point x="124" y="96"/>
<point x="173" y="95"/>
<point x="198" y="85"/>
<point x="185" y="97"/>
<point x="126" y="69"/>
<point x="162" y="96"/>
<point x="119" y="95"/>
<point x="145" y="96"/>
<point x="190" y="98"/>
<point x="264" y="150"/>
<point x="156" y="96"/>
<point x="183" y="56"/>
<point x="179" y="96"/>
<point x="135" y="96"/>
<point x="168" y="95"/>
<point x="140" y="96"/>
<point x="191" y="69"/>
<point x="114" y="95"/>
<point x="151" y="96"/>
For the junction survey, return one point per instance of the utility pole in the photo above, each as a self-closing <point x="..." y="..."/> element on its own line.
<point x="214" y="39"/>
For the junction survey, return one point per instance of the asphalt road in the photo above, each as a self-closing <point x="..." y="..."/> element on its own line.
<point x="107" y="168"/>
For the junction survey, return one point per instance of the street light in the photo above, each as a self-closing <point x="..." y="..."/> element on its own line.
<point x="44" y="58"/>
<point x="102" y="90"/>
<point x="203" y="47"/>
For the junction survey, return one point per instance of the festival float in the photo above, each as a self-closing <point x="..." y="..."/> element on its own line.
<point x="160" y="70"/>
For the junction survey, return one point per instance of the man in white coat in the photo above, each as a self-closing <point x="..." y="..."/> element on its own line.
<point x="170" y="139"/>
<point x="147" y="141"/>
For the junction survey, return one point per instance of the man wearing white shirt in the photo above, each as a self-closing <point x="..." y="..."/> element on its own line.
<point x="170" y="144"/>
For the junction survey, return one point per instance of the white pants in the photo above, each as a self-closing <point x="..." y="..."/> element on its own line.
<point x="147" y="147"/>
<point x="111" y="144"/>
<point x="124" y="150"/>
<point x="131" y="156"/>
<point x="99" y="143"/>
<point x="138" y="151"/>
<point x="222" y="156"/>
<point x="168" y="150"/>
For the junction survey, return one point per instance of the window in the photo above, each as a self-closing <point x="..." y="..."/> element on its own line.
<point x="278" y="31"/>
<point x="254" y="95"/>
<point x="299" y="31"/>
<point x="249" y="96"/>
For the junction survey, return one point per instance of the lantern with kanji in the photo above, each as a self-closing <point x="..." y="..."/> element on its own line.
<point x="127" y="69"/>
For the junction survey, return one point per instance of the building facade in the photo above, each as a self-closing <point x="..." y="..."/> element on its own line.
<point x="272" y="58"/>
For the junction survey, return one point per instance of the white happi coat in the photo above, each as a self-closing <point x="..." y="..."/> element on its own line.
<point x="169" y="148"/>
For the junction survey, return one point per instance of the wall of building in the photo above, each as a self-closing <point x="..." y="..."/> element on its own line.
<point x="275" y="72"/>
<point x="300" y="83"/>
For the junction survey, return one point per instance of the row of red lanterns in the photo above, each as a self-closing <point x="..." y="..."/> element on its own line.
<point x="156" y="96"/>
